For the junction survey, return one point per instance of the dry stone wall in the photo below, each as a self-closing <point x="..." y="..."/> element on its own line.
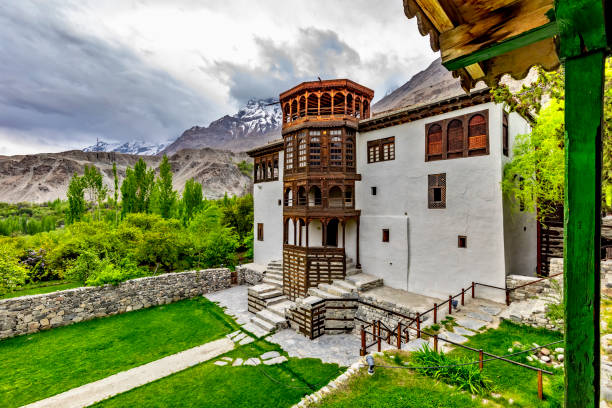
<point x="30" y="314"/>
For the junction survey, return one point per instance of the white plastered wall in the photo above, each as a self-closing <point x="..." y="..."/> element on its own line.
<point x="270" y="213"/>
<point x="422" y="255"/>
<point x="520" y="227"/>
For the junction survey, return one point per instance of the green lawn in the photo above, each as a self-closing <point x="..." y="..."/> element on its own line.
<point x="41" y="287"/>
<point x="43" y="364"/>
<point x="511" y="381"/>
<point x="406" y="388"/>
<point x="208" y="385"/>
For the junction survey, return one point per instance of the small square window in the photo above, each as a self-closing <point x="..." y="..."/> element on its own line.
<point x="373" y="190"/>
<point x="279" y="201"/>
<point x="462" y="241"/>
<point x="385" y="237"/>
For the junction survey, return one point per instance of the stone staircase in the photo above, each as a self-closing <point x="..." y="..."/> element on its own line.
<point x="268" y="303"/>
<point x="355" y="281"/>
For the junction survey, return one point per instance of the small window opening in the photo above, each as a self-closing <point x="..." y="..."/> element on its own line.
<point x="462" y="241"/>
<point x="260" y="231"/>
<point x="373" y="190"/>
<point x="385" y="235"/>
<point x="280" y="201"/>
<point x="437" y="191"/>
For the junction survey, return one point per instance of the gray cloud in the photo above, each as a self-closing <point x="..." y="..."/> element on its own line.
<point x="284" y="64"/>
<point x="58" y="82"/>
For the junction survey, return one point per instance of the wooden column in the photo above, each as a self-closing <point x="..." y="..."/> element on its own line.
<point x="294" y="233"/>
<point x="343" y="234"/>
<point x="307" y="226"/>
<point x="300" y="226"/>
<point x="583" y="120"/>
<point x="358" y="264"/>
<point x="323" y="230"/>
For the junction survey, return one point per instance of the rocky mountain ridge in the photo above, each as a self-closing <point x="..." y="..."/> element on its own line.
<point x="137" y="147"/>
<point x="45" y="177"/>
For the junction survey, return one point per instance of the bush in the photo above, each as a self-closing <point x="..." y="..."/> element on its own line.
<point x="465" y="377"/>
<point x="107" y="272"/>
<point x="12" y="273"/>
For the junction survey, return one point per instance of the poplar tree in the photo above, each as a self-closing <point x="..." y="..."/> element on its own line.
<point x="165" y="195"/>
<point x="76" y="199"/>
<point x="192" y="199"/>
<point x="116" y="180"/>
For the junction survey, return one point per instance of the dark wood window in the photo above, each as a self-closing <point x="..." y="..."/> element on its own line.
<point x="265" y="167"/>
<point x="437" y="190"/>
<point x="385" y="235"/>
<point x="350" y="153"/>
<point x="505" y="137"/>
<point x="302" y="152"/>
<point x="381" y="150"/>
<point x="462" y="241"/>
<point x="260" y="236"/>
<point x="335" y="148"/>
<point x="289" y="154"/>
<point x="315" y="148"/>
<point x="462" y="136"/>
<point x="373" y="190"/>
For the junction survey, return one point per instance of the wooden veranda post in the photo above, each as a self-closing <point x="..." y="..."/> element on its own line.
<point x="583" y="49"/>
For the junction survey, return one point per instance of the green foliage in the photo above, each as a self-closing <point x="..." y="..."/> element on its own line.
<point x="606" y="177"/>
<point x="12" y="273"/>
<point x="116" y="192"/>
<point x="238" y="214"/>
<point x="76" y="199"/>
<point x="165" y="196"/>
<point x="464" y="377"/>
<point x="192" y="200"/>
<point x="535" y="176"/>
<point x="246" y="168"/>
<point x="94" y="187"/>
<point x="136" y="189"/>
<point x="554" y="307"/>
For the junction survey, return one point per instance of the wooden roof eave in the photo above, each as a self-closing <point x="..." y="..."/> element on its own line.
<point x="516" y="63"/>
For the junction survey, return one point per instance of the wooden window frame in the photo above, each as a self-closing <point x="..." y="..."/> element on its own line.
<point x="385" y="235"/>
<point x="268" y="166"/>
<point x="466" y="151"/>
<point x="461" y="241"/>
<point x="377" y="149"/>
<point x="505" y="135"/>
<point x="260" y="231"/>
<point x="435" y="181"/>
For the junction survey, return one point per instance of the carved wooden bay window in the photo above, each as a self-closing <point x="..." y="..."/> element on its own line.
<point x="436" y="197"/>
<point x="381" y="149"/>
<point x="315" y="148"/>
<point x="462" y="136"/>
<point x="302" y="151"/>
<point x="289" y="153"/>
<point x="265" y="168"/>
<point x="335" y="148"/>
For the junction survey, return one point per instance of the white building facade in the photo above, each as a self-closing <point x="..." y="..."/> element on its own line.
<point x="432" y="218"/>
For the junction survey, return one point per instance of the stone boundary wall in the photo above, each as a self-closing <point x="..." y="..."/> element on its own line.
<point x="251" y="274"/>
<point x="30" y="314"/>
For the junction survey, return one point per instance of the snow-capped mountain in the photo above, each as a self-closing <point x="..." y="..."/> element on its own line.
<point x="137" y="147"/>
<point x="254" y="124"/>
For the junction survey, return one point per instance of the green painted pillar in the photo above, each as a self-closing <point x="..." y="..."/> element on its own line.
<point x="584" y="76"/>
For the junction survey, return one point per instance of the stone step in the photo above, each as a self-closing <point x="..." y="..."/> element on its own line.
<point x="352" y="271"/>
<point x="470" y="323"/>
<point x="275" y="300"/>
<point x="270" y="295"/>
<point x="345" y="285"/>
<point x="335" y="290"/>
<point x="277" y="276"/>
<point x="454" y="337"/>
<point x="272" y="280"/>
<point x="363" y="281"/>
<point x="255" y="329"/>
<point x="320" y="293"/>
<point x="274" y="268"/>
<point x="272" y="318"/>
<point x="280" y="308"/>
<point x="309" y="300"/>
<point x="414" y="345"/>
<point x="262" y="288"/>
<point x="267" y="326"/>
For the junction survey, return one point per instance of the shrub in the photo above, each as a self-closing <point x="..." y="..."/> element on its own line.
<point x="12" y="273"/>
<point x="83" y="267"/>
<point x="465" y="377"/>
<point x="107" y="272"/>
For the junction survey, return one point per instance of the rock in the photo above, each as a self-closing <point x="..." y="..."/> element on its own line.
<point x="545" y="359"/>
<point x="237" y="362"/>
<point x="559" y="350"/>
<point x="529" y="358"/>
<point x="220" y="362"/>
<point x="252" y="362"/>
<point x="270" y="354"/>
<point x="275" y="360"/>
<point x="545" y="351"/>
<point x="561" y="357"/>
<point x="246" y="340"/>
<point x="228" y="359"/>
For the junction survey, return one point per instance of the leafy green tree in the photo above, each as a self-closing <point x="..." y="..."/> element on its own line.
<point x="94" y="187"/>
<point x="116" y="192"/>
<point x="76" y="199"/>
<point x="12" y="273"/>
<point x="165" y="196"/>
<point x="192" y="199"/>
<point x="535" y="175"/>
<point x="136" y="189"/>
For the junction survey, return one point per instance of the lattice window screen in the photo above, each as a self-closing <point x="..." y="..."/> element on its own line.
<point x="436" y="185"/>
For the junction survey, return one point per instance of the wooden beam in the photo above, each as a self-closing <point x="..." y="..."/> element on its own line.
<point x="512" y="21"/>
<point x="438" y="17"/>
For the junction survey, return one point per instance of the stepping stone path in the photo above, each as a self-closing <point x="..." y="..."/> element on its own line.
<point x="268" y="358"/>
<point x="471" y="324"/>
<point x="240" y="337"/>
<point x="463" y="331"/>
<point x="454" y="337"/>
<point x="485" y="317"/>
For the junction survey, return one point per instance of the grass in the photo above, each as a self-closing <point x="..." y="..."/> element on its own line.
<point x="40" y="288"/>
<point x="208" y="385"/>
<point x="43" y="364"/>
<point x="395" y="388"/>
<point x="390" y="387"/>
<point x="513" y="382"/>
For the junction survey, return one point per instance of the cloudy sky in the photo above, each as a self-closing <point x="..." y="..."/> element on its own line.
<point x="123" y="70"/>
